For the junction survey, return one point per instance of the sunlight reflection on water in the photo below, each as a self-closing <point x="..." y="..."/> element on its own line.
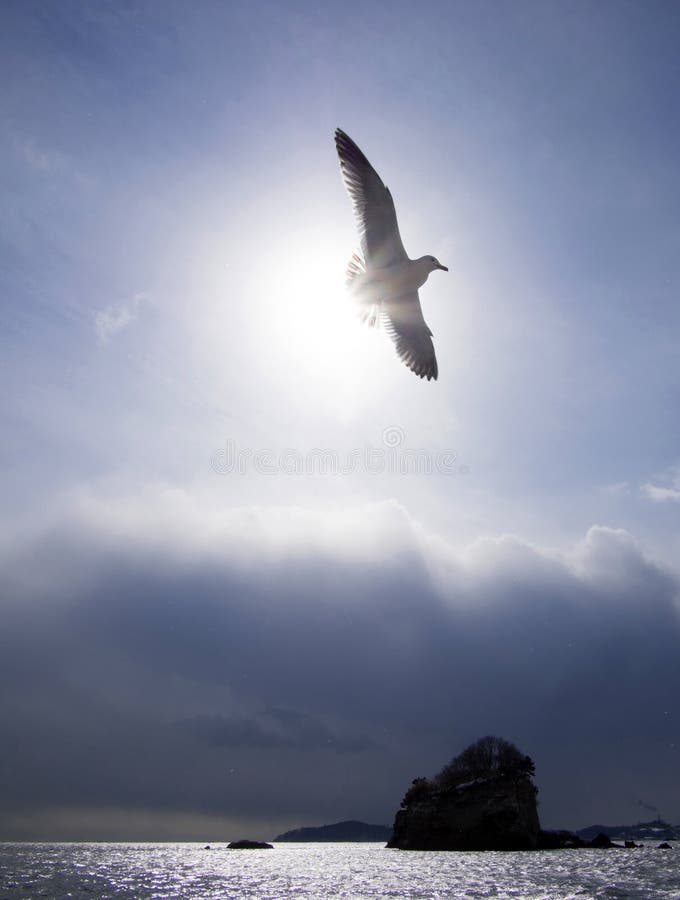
<point x="329" y="871"/>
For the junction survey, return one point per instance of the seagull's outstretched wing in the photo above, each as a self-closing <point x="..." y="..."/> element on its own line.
<point x="373" y="205"/>
<point x="404" y="322"/>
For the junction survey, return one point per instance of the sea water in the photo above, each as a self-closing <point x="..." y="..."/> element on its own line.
<point x="188" y="871"/>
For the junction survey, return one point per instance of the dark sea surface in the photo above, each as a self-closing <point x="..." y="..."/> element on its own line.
<point x="140" y="871"/>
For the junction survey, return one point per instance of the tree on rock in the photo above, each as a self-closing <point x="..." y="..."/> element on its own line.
<point x="488" y="757"/>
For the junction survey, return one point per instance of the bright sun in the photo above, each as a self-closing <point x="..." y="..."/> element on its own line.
<point x="312" y="314"/>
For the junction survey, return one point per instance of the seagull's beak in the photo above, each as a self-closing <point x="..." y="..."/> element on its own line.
<point x="443" y="268"/>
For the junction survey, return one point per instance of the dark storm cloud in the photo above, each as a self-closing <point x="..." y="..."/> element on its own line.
<point x="273" y="729"/>
<point x="234" y="669"/>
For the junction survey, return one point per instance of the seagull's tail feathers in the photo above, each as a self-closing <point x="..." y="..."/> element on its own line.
<point x="355" y="266"/>
<point x="369" y="313"/>
<point x="367" y="309"/>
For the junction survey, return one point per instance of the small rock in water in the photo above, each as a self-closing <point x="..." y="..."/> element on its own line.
<point x="249" y="845"/>
<point x="602" y="841"/>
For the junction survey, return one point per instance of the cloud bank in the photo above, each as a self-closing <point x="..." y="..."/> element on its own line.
<point x="266" y="667"/>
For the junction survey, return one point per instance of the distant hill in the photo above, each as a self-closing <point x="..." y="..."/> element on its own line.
<point x="658" y="830"/>
<point x="340" y="831"/>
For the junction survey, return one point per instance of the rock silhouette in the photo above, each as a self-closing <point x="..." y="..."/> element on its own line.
<point x="483" y="800"/>
<point x="249" y="845"/>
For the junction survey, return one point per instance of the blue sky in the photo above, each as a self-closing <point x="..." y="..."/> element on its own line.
<point x="173" y="236"/>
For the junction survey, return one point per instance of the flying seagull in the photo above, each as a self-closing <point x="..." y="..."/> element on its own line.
<point x="384" y="281"/>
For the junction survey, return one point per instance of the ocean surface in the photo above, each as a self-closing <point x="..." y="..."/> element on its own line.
<point x="187" y="871"/>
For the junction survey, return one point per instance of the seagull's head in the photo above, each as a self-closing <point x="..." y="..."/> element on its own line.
<point x="433" y="263"/>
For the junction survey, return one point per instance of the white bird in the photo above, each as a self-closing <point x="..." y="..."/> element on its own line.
<point x="385" y="282"/>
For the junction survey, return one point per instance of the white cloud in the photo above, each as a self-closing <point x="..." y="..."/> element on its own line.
<point x="38" y="158"/>
<point x="110" y="321"/>
<point x="665" y="492"/>
<point x="52" y="163"/>
<point x="185" y="531"/>
<point x="661" y="494"/>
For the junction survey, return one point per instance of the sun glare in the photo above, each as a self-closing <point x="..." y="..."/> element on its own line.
<point x="312" y="309"/>
<point x="313" y="318"/>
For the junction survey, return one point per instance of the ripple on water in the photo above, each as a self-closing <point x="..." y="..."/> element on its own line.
<point x="357" y="871"/>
